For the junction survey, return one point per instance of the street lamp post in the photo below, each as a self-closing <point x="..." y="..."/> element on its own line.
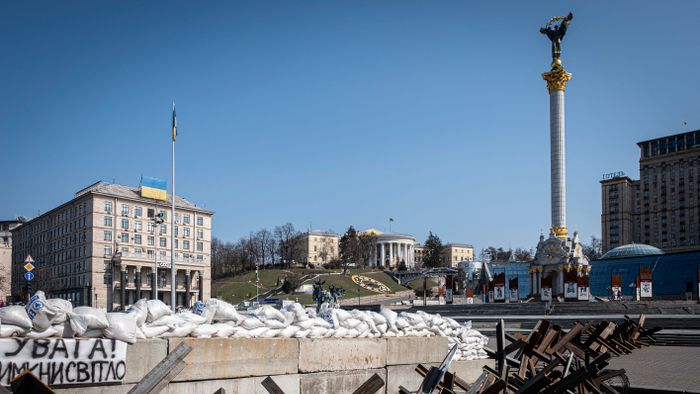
<point x="156" y="220"/>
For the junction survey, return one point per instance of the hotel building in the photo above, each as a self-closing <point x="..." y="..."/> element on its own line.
<point x="662" y="208"/>
<point x="102" y="247"/>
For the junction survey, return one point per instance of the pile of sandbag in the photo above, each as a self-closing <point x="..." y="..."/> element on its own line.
<point x="43" y="318"/>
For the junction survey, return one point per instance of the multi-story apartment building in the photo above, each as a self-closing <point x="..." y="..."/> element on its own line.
<point x="662" y="208"/>
<point x="320" y="247"/>
<point x="102" y="247"/>
<point x="6" y="227"/>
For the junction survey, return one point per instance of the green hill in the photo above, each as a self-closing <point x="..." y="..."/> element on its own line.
<point x="242" y="287"/>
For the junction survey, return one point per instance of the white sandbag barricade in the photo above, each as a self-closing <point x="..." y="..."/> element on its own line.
<point x="217" y="318"/>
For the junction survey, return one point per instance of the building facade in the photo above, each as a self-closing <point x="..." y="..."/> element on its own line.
<point x="6" y="227"/>
<point x="103" y="247"/>
<point x="454" y="253"/>
<point x="618" y="220"/>
<point x="320" y="247"/>
<point x="662" y="208"/>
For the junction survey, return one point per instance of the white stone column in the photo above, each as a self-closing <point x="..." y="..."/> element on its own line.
<point x="383" y="253"/>
<point x="391" y="254"/>
<point x="556" y="79"/>
<point x="558" y="158"/>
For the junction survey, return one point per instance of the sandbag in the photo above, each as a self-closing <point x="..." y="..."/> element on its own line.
<point x="252" y="323"/>
<point x="289" y="332"/>
<point x="191" y="317"/>
<point x="84" y="318"/>
<point x="61" y="307"/>
<point x="267" y="312"/>
<point x="390" y="317"/>
<point x="223" y="330"/>
<point x="140" y="311"/>
<point x="204" y="331"/>
<point x="168" y="320"/>
<point x="154" y="331"/>
<point x="225" y="311"/>
<point x="274" y="324"/>
<point x="156" y="310"/>
<point x="258" y="332"/>
<point x="11" y="330"/>
<point x="122" y="326"/>
<point x="179" y="331"/>
<point x="205" y="309"/>
<point x="39" y="312"/>
<point x="241" y="333"/>
<point x="15" y="315"/>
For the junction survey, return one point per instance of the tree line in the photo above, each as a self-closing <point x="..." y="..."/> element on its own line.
<point x="277" y="247"/>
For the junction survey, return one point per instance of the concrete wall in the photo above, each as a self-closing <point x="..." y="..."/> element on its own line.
<point x="326" y="365"/>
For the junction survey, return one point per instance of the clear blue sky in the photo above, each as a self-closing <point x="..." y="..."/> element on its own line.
<point x="333" y="113"/>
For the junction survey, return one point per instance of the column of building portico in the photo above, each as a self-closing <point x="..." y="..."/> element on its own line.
<point x="187" y="288"/>
<point x="138" y="282"/>
<point x="391" y="254"/>
<point x="383" y="256"/>
<point x="532" y="283"/>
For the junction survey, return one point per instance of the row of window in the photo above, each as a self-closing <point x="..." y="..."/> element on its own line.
<point x="138" y="212"/>
<point x="150" y="227"/>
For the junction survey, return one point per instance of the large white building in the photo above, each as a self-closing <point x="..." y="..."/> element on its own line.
<point x="102" y="247"/>
<point x="392" y="248"/>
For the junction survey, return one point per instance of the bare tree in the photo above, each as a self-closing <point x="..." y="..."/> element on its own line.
<point x="367" y="246"/>
<point x="262" y="245"/>
<point x="288" y="240"/>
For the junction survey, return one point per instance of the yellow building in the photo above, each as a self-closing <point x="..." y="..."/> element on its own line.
<point x="452" y="254"/>
<point x="320" y="247"/>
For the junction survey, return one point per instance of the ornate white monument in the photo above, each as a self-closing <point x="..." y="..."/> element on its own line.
<point x="558" y="256"/>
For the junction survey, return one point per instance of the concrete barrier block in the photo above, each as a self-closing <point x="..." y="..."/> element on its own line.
<point x="404" y="375"/>
<point x="142" y="356"/>
<point x="415" y="350"/>
<point x="339" y="382"/>
<point x="470" y="370"/>
<point x="288" y="383"/>
<point x="227" y="358"/>
<point x="338" y="354"/>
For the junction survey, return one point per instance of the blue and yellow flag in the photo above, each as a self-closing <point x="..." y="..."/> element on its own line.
<point x="153" y="188"/>
<point x="174" y="123"/>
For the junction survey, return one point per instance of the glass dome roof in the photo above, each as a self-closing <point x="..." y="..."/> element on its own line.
<point x="631" y="250"/>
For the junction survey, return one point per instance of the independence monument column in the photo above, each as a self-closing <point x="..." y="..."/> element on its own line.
<point x="556" y="84"/>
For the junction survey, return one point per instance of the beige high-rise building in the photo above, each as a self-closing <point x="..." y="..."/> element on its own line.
<point x="661" y="209"/>
<point x="6" y="227"/>
<point x="101" y="248"/>
<point x="321" y="247"/>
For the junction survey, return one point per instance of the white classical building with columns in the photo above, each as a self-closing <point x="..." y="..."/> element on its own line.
<point x="393" y="248"/>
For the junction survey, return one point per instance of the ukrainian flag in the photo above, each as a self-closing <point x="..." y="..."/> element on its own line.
<point x="153" y="188"/>
<point x="174" y="123"/>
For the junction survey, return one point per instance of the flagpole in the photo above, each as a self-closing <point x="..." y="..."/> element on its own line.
<point x="173" y="271"/>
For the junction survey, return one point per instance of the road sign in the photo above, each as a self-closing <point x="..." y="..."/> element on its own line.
<point x="29" y="259"/>
<point x="28" y="275"/>
<point x="29" y="267"/>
